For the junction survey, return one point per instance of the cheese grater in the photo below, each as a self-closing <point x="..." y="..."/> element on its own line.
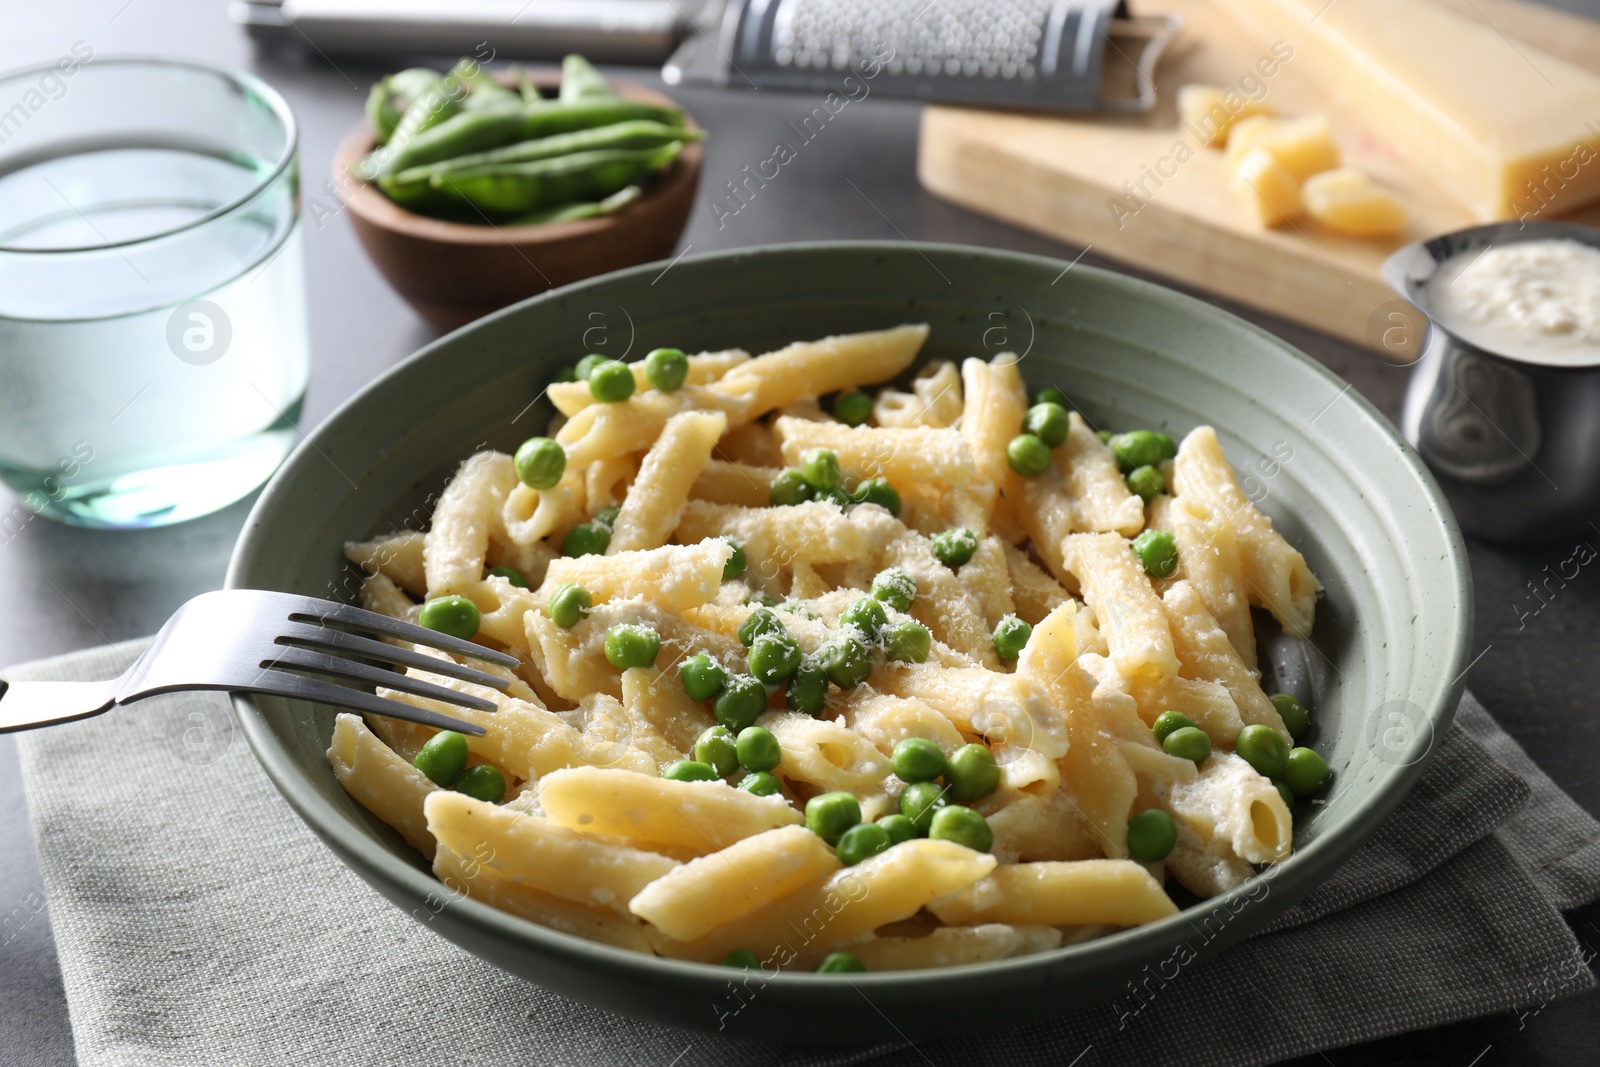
<point x="1092" y="55"/>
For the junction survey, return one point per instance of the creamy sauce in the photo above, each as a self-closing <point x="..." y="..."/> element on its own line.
<point x="1534" y="300"/>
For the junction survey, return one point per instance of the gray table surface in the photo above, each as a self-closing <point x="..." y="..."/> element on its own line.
<point x="71" y="589"/>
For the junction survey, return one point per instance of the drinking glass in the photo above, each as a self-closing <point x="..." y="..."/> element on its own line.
<point x="153" y="342"/>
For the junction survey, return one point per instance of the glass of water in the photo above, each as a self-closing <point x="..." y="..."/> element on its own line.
<point x="153" y="342"/>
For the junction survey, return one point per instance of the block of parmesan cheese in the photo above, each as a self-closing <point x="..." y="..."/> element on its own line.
<point x="1510" y="131"/>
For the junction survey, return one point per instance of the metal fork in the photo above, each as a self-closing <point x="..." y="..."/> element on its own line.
<point x="253" y="641"/>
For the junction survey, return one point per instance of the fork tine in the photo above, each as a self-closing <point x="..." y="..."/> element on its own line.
<point x="327" y="611"/>
<point x="304" y="659"/>
<point x="316" y="636"/>
<point x="299" y="687"/>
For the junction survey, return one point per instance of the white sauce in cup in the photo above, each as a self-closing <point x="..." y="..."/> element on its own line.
<point x="1532" y="300"/>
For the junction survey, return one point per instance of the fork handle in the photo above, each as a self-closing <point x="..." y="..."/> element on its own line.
<point x="25" y="705"/>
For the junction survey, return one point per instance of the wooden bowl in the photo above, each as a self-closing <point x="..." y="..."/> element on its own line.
<point x="453" y="272"/>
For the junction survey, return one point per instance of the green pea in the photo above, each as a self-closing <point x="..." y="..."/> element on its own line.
<point x="789" y="486"/>
<point x="586" y="539"/>
<point x="569" y="604"/>
<point x="1296" y="719"/>
<point x="866" y="615"/>
<point x="955" y="546"/>
<point x="898" y="827"/>
<point x="852" y="407"/>
<point x="773" y="657"/>
<point x="588" y="363"/>
<point x="1169" y="447"/>
<point x="1104" y="435"/>
<point x="1140" y="448"/>
<point x="1188" y="742"/>
<point x="510" y="574"/>
<point x="482" y="782"/>
<point x="742" y="958"/>
<point x="740" y="703"/>
<point x="453" y="615"/>
<point x="762" y="784"/>
<point x="611" y="382"/>
<point x="878" y="491"/>
<point x="861" y="842"/>
<point x="1167" y="722"/>
<point x="688" y="770"/>
<point x="973" y="773"/>
<point x="540" y="462"/>
<point x="916" y="759"/>
<point x="763" y="599"/>
<point x="895" y="588"/>
<point x="920" y="801"/>
<point x="758" y="749"/>
<point x="631" y="645"/>
<point x="442" y="757"/>
<point x="1050" y="395"/>
<point x="666" y="369"/>
<point x="1147" y="483"/>
<point x="840" y="963"/>
<point x="829" y="815"/>
<point x="820" y="467"/>
<point x="1028" y="455"/>
<point x="1305" y="771"/>
<point x="1011" y="637"/>
<point x="717" y="749"/>
<point x="1151" y="836"/>
<point x="607" y="516"/>
<point x="1048" y="422"/>
<point x="963" y="826"/>
<point x="1157" y="552"/>
<point x="846" y="661"/>
<point x="907" y="642"/>
<point x="1264" y="749"/>
<point x="808" y="689"/>
<point x="1286" y="793"/>
<point x="702" y="676"/>
<point x="758" y="622"/>
<point x="736" y="563"/>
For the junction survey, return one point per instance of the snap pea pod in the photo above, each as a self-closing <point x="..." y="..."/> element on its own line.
<point x="391" y="96"/>
<point x="479" y="131"/>
<point x="484" y="90"/>
<point x="580" y="81"/>
<point x="434" y="108"/>
<point x="640" y="133"/>
<point x="581" y="209"/>
<point x="518" y="188"/>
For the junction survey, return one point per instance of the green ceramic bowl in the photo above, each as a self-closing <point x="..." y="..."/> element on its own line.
<point x="1386" y="659"/>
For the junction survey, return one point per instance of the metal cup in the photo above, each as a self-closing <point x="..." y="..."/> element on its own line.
<point x="1515" y="445"/>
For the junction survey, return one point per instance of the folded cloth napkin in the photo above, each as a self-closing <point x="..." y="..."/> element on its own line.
<point x="197" y="920"/>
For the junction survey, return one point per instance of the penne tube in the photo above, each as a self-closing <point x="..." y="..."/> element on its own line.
<point x="1119" y="892"/>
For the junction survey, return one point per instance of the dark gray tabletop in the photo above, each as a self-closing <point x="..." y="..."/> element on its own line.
<point x="70" y="589"/>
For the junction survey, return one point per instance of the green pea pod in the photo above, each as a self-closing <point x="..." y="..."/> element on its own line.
<point x="484" y="90"/>
<point x="469" y="131"/>
<point x="638" y="133"/>
<point x="580" y="81"/>
<point x="435" y="107"/>
<point x="583" y="209"/>
<point x="518" y="188"/>
<point x="390" y="97"/>
<point x="525" y="86"/>
<point x="549" y="119"/>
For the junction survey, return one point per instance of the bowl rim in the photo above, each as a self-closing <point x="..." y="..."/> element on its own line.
<point x="375" y="209"/>
<point x="1303" y="870"/>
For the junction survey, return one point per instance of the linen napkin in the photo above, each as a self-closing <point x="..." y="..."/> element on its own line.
<point x="197" y="920"/>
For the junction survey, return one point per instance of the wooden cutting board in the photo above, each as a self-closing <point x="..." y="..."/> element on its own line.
<point x="1065" y="177"/>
